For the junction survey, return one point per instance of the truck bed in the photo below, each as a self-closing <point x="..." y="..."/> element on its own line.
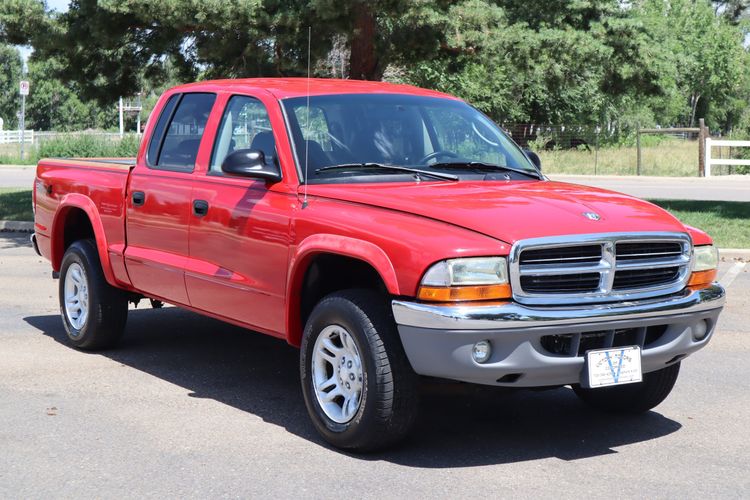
<point x="96" y="184"/>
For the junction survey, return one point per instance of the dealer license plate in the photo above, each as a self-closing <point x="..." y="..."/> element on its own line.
<point x="617" y="366"/>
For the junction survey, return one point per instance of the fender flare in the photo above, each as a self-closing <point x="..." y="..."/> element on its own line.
<point x="330" y="244"/>
<point x="81" y="202"/>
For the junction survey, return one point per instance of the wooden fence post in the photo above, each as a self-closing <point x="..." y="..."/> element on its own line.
<point x="638" y="149"/>
<point x="702" y="136"/>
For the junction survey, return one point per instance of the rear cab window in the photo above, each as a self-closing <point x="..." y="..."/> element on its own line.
<point x="178" y="133"/>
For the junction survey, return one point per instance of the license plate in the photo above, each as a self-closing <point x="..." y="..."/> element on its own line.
<point x="617" y="366"/>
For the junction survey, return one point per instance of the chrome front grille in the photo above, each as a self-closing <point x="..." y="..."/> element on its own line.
<point x="599" y="267"/>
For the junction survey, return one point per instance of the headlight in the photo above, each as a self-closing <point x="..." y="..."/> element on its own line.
<point x="705" y="262"/>
<point x="476" y="278"/>
<point x="705" y="257"/>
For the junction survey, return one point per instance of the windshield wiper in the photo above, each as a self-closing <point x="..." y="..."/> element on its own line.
<point x="395" y="168"/>
<point x="480" y="165"/>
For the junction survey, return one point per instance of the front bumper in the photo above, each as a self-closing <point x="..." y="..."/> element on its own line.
<point x="438" y="339"/>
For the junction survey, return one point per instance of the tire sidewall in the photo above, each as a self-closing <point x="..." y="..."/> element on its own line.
<point x="338" y="311"/>
<point x="77" y="253"/>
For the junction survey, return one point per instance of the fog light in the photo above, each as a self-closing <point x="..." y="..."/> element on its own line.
<point x="700" y="330"/>
<point x="482" y="351"/>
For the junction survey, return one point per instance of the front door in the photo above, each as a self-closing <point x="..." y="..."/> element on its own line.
<point x="239" y="228"/>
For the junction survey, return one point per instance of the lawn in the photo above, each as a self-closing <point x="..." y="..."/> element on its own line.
<point x="728" y="222"/>
<point x="672" y="158"/>
<point x="15" y="204"/>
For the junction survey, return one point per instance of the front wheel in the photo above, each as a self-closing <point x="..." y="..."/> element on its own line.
<point x="94" y="313"/>
<point x="633" y="398"/>
<point x="359" y="388"/>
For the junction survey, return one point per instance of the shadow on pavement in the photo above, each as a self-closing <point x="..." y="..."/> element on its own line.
<point x="459" y="425"/>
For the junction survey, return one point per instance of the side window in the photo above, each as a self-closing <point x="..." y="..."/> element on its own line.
<point x="179" y="146"/>
<point x="158" y="134"/>
<point x="245" y="125"/>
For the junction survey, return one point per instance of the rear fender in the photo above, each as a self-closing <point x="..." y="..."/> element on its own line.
<point x="79" y="201"/>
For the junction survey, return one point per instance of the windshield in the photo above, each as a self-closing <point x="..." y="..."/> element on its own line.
<point x="346" y="135"/>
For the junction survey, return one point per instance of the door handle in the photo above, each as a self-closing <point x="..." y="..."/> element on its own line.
<point x="139" y="198"/>
<point x="200" y="208"/>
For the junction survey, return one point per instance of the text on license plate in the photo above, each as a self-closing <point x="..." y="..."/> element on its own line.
<point x="619" y="365"/>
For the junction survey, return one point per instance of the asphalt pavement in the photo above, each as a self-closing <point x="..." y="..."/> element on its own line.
<point x="17" y="176"/>
<point x="719" y="188"/>
<point x="726" y="188"/>
<point x="188" y="407"/>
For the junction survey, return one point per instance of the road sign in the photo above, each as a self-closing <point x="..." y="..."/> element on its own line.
<point x="24" y="87"/>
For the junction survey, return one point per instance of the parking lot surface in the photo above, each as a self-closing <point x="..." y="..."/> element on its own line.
<point x="190" y="407"/>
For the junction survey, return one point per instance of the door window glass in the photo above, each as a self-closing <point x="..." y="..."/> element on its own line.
<point x="245" y="125"/>
<point x="183" y="137"/>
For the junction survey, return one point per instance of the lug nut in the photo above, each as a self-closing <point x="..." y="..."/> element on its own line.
<point x="351" y="376"/>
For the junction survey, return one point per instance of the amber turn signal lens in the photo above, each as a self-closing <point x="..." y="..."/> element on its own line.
<point x="463" y="293"/>
<point x="700" y="278"/>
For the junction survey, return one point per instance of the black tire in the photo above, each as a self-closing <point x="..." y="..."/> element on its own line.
<point x="633" y="398"/>
<point x="389" y="394"/>
<point x="107" y="305"/>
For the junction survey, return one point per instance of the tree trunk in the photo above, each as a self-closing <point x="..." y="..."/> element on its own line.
<point x="363" y="59"/>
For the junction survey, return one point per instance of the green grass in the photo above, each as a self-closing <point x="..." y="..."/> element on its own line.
<point x="15" y="204"/>
<point x="728" y="222"/>
<point x="671" y="158"/>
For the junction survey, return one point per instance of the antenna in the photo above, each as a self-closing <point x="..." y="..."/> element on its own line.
<point x="307" y="115"/>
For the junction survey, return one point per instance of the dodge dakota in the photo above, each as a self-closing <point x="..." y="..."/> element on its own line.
<point x="389" y="232"/>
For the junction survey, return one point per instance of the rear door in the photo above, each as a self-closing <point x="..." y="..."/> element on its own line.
<point x="239" y="227"/>
<point x="159" y="199"/>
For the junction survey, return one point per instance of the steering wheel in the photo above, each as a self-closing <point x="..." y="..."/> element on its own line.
<point x="437" y="154"/>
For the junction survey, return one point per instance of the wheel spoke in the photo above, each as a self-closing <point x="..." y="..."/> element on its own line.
<point x="331" y="382"/>
<point x="330" y="396"/>
<point x="331" y="347"/>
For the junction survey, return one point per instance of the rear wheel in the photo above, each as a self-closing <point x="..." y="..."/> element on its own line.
<point x="94" y="313"/>
<point x="633" y="398"/>
<point x="359" y="388"/>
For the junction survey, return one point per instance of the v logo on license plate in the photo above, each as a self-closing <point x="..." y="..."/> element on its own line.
<point x="615" y="375"/>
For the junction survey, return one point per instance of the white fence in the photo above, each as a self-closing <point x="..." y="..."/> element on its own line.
<point x="710" y="161"/>
<point x="14" y="136"/>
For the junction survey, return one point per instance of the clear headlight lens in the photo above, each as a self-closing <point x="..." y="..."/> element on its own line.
<point x="474" y="278"/>
<point x="469" y="271"/>
<point x="705" y="257"/>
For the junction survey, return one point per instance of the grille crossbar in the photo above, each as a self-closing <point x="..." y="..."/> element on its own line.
<point x="602" y="268"/>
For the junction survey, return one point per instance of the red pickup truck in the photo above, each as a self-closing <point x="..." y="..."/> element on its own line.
<point x="388" y="231"/>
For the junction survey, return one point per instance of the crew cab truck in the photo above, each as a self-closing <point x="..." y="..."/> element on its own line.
<point x="389" y="232"/>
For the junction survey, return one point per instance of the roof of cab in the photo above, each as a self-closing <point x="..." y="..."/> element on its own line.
<point x="282" y="88"/>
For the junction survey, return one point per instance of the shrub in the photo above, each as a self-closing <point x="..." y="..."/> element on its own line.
<point x="89" y="146"/>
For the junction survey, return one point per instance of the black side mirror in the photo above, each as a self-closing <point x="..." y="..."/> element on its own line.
<point x="250" y="163"/>
<point x="534" y="158"/>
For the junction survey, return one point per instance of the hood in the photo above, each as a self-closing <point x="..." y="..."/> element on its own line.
<point x="511" y="210"/>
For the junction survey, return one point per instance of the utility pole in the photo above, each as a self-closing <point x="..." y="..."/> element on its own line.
<point x="122" y="124"/>
<point x="24" y="91"/>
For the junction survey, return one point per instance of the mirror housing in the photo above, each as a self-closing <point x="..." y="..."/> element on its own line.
<point x="250" y="163"/>
<point x="534" y="158"/>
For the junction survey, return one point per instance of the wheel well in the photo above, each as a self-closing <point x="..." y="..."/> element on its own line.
<point x="328" y="273"/>
<point x="77" y="227"/>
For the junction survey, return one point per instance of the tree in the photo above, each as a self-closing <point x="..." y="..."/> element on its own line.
<point x="10" y="76"/>
<point x="701" y="60"/>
